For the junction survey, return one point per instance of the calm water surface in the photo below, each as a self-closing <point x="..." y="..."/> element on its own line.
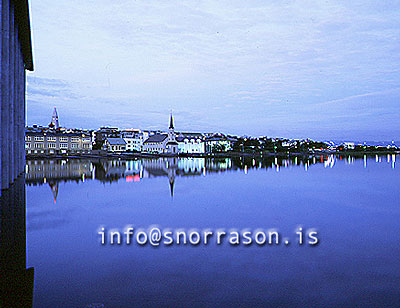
<point x="354" y="204"/>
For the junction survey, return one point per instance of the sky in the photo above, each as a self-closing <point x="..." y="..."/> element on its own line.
<point x="296" y="69"/>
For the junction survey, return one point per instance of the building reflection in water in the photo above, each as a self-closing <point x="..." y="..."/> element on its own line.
<point x="16" y="281"/>
<point x="52" y="172"/>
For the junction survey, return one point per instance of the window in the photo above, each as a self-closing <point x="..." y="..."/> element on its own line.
<point x="51" y="138"/>
<point x="75" y="139"/>
<point x="74" y="145"/>
<point x="28" y="138"/>
<point x="39" y="145"/>
<point x="64" y="139"/>
<point x="27" y="145"/>
<point x="87" y="139"/>
<point x="39" y="138"/>
<point x="64" y="145"/>
<point x="51" y="145"/>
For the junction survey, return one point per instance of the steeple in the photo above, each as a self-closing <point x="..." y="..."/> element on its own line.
<point x="171" y="130"/>
<point x="171" y="122"/>
<point x="54" y="119"/>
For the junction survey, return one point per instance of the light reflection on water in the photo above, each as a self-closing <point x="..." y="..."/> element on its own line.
<point x="111" y="170"/>
<point x="352" y="202"/>
<point x="52" y="172"/>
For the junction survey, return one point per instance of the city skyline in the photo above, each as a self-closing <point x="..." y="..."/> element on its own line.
<point x="292" y="69"/>
<point x="163" y="130"/>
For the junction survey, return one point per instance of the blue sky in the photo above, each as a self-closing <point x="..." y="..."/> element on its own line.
<point x="319" y="69"/>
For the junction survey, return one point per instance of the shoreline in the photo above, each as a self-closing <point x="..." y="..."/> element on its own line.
<point x="207" y="155"/>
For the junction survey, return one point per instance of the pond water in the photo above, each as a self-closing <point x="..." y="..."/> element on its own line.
<point x="352" y="203"/>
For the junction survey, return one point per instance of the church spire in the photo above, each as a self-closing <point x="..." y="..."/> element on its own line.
<point x="171" y="122"/>
<point x="54" y="120"/>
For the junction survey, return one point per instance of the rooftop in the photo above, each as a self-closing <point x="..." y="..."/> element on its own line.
<point x="156" y="138"/>
<point x="116" y="141"/>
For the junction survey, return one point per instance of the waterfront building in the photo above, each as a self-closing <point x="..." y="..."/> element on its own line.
<point x="135" y="140"/>
<point x="138" y="141"/>
<point x="16" y="57"/>
<point x="155" y="144"/>
<point x="43" y="140"/>
<point x="115" y="145"/>
<point x="162" y="143"/>
<point x="102" y="133"/>
<point x="349" y="145"/>
<point x="57" y="140"/>
<point x="129" y="141"/>
<point x="189" y="143"/>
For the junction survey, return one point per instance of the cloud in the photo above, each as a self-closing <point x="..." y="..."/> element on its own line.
<point x="364" y="95"/>
<point x="123" y="61"/>
<point x="46" y="87"/>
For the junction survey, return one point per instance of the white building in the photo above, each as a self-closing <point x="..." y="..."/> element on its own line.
<point x="134" y="142"/>
<point x="129" y="142"/>
<point x="190" y="143"/>
<point x="162" y="143"/>
<point x="349" y="145"/>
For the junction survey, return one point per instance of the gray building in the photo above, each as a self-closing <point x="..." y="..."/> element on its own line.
<point x="16" y="57"/>
<point x="116" y="145"/>
<point x="40" y="140"/>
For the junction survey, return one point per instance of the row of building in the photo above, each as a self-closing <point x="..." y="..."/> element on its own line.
<point x="54" y="139"/>
<point x="170" y="142"/>
<point x="57" y="140"/>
